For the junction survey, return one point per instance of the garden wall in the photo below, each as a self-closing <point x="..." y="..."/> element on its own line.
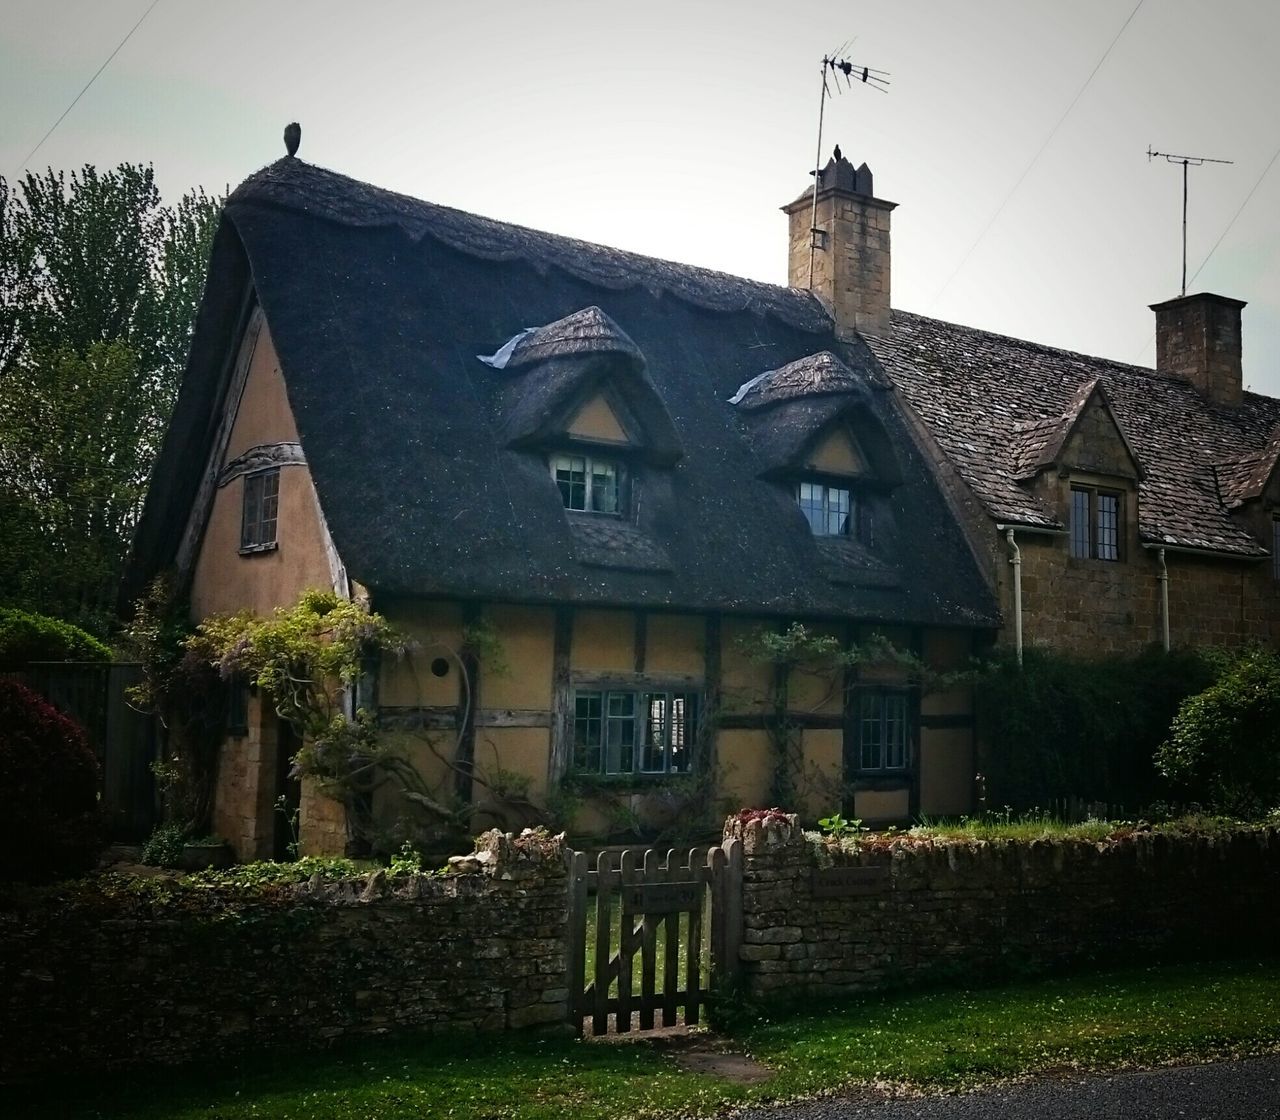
<point x="96" y="975"/>
<point x="821" y="920"/>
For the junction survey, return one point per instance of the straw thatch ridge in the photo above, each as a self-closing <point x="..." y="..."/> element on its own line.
<point x="589" y="331"/>
<point x="813" y="375"/>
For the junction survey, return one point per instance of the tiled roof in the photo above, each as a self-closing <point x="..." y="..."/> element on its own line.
<point x="997" y="406"/>
<point x="1246" y="476"/>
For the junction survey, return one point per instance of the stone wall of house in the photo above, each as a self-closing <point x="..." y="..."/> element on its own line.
<point x="94" y="976"/>
<point x="1098" y="607"/>
<point x="822" y="921"/>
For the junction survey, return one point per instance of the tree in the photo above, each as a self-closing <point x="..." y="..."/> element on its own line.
<point x="99" y="286"/>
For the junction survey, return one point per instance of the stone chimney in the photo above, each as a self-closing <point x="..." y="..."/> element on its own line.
<point x="850" y="239"/>
<point x="1198" y="339"/>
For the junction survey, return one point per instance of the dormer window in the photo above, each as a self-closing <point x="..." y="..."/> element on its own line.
<point x="828" y="509"/>
<point x="591" y="483"/>
<point x="1095" y="523"/>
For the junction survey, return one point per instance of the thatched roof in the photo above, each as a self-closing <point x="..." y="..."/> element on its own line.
<point x="431" y="466"/>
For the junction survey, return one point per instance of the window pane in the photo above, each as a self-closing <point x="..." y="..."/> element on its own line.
<point x="1275" y="548"/>
<point x="895" y="732"/>
<point x="810" y="496"/>
<point x="684" y="715"/>
<point x="604" y="487"/>
<point x="1108" y="526"/>
<point x="837" y="511"/>
<point x="270" y="506"/>
<point x="571" y="477"/>
<point x="653" y="759"/>
<point x="1080" y="522"/>
<point x="587" y="731"/>
<point x="252" y="510"/>
<point x="869" y="729"/>
<point x="620" y="733"/>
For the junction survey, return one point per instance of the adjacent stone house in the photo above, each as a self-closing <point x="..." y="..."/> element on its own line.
<point x="623" y="468"/>
<point x="1111" y="507"/>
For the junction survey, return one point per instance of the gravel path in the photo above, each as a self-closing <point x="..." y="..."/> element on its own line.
<point x="1237" y="1090"/>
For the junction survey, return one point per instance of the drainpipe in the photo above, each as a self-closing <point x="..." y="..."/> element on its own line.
<point x="1164" y="598"/>
<point x="1015" y="558"/>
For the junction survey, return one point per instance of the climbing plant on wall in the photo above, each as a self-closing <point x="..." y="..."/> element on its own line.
<point x="797" y="650"/>
<point x="311" y="660"/>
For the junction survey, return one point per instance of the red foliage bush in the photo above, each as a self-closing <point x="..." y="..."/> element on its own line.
<point x="50" y="825"/>
<point x="764" y="816"/>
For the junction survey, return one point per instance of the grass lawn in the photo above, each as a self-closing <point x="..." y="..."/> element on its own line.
<point x="952" y="1038"/>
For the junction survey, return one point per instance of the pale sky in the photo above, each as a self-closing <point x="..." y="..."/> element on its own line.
<point x="678" y="128"/>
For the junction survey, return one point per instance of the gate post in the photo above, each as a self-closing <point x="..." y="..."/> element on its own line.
<point x="726" y="912"/>
<point x="575" y="958"/>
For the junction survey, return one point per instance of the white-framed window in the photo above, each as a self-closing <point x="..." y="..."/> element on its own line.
<point x="621" y="732"/>
<point x="588" y="482"/>
<point x="828" y="509"/>
<point x="260" y="511"/>
<point x="883" y="731"/>
<point x="1095" y="523"/>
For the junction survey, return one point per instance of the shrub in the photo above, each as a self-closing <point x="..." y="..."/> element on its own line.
<point x="49" y="822"/>
<point x="1224" y="745"/>
<point x="1068" y="727"/>
<point x="164" y="846"/>
<point x="26" y="636"/>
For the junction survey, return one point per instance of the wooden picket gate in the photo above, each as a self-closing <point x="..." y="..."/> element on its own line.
<point x="682" y="917"/>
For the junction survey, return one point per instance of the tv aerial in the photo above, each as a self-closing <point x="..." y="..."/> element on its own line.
<point x="1186" y="161"/>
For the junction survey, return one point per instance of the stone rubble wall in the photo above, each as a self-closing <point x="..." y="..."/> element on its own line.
<point x="93" y="978"/>
<point x="968" y="909"/>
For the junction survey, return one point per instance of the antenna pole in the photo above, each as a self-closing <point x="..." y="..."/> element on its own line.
<point x="817" y="174"/>
<point x="1185" y="165"/>
<point x="1187" y="162"/>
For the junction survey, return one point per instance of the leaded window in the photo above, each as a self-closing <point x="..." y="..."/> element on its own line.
<point x="883" y="731"/>
<point x="1095" y="523"/>
<point x="618" y="732"/>
<point x="828" y="509"/>
<point x="588" y="483"/>
<point x="261" y="508"/>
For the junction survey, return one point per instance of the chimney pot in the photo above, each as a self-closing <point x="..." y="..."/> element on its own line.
<point x="847" y="240"/>
<point x="1198" y="339"/>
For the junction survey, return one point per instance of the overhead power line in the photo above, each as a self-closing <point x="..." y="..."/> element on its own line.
<point x="1035" y="158"/>
<point x="84" y="89"/>
<point x="1252" y="191"/>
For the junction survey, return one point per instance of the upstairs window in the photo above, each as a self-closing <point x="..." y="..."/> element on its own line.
<point x="588" y="483"/>
<point x="882" y="731"/>
<point x="828" y="509"/>
<point x="261" y="507"/>
<point x="624" y="733"/>
<point x="1095" y="523"/>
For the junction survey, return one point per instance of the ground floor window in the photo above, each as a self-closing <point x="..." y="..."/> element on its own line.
<point x="622" y="732"/>
<point x="883" y="738"/>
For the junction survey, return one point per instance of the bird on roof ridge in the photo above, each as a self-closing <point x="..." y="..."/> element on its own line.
<point x="292" y="137"/>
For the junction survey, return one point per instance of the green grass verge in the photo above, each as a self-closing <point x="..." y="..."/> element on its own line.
<point x="951" y="1038"/>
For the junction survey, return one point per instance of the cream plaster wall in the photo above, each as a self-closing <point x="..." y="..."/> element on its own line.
<point x="604" y="640"/>
<point x="596" y="420"/>
<point x="223" y="580"/>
